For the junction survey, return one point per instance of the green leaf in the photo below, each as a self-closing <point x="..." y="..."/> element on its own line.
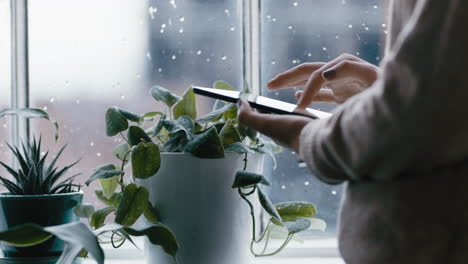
<point x="104" y="172"/>
<point x="108" y="186"/>
<point x="297" y="226"/>
<point x="206" y="145"/>
<point x="162" y="95"/>
<point x="247" y="179"/>
<point x="77" y="236"/>
<point x="183" y="123"/>
<point x="154" y="132"/>
<point x="31" y="113"/>
<point x="290" y="211"/>
<point x="121" y="150"/>
<point x="158" y="235"/>
<point x="150" y="213"/>
<point x="106" y="200"/>
<point x="317" y="224"/>
<point x="99" y="217"/>
<point x="151" y="115"/>
<point x="176" y="142"/>
<point x="84" y="210"/>
<point x="246" y="131"/>
<point x="146" y="160"/>
<point x="136" y="135"/>
<point x="115" y="122"/>
<point x="132" y="205"/>
<point x="131" y="116"/>
<point x="216" y="114"/>
<point x="187" y="106"/>
<point x="238" y="147"/>
<point x="25" y="235"/>
<point x="268" y="205"/>
<point x="229" y="134"/>
<point x="223" y="86"/>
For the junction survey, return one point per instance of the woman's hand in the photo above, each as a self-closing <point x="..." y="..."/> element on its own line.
<point x="335" y="81"/>
<point x="284" y="129"/>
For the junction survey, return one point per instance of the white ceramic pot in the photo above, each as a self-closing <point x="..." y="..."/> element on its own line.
<point x="194" y="198"/>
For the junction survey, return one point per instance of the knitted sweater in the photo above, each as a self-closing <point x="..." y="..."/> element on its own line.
<point x="401" y="146"/>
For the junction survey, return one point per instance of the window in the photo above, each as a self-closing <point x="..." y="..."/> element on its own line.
<point x="94" y="54"/>
<point x="5" y="125"/>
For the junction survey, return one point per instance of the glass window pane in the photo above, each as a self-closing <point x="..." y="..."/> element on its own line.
<point x="5" y="84"/>
<point x="95" y="54"/>
<point x="294" y="32"/>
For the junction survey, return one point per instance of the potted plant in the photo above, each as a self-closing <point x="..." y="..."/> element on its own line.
<point x="37" y="192"/>
<point x="182" y="170"/>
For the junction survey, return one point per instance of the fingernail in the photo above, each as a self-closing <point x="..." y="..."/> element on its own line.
<point x="329" y="74"/>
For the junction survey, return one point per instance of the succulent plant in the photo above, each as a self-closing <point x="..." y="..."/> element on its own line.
<point x="34" y="176"/>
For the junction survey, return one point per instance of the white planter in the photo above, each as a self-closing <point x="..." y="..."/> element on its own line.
<point x="194" y="198"/>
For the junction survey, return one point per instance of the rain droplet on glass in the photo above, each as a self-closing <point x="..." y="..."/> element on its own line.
<point x="91" y="144"/>
<point x="181" y="30"/>
<point x="232" y="28"/>
<point x="333" y="192"/>
<point x="174" y="57"/>
<point x="199" y="52"/>
<point x="224" y="58"/>
<point x="163" y="26"/>
<point x="122" y="97"/>
<point x="52" y="99"/>
<point x="148" y="55"/>
<point x="306" y="183"/>
<point x="182" y="19"/>
<point x="77" y="101"/>
<point x="350" y="26"/>
<point x="208" y="59"/>
<point x="273" y="62"/>
<point x="295" y="4"/>
<point x="98" y="154"/>
<point x="173" y="3"/>
<point x="67" y="83"/>
<point x="283" y="187"/>
<point x="152" y="11"/>
<point x="309" y="54"/>
<point x="324" y="48"/>
<point x="227" y="12"/>
<point x="159" y="69"/>
<point x="290" y="27"/>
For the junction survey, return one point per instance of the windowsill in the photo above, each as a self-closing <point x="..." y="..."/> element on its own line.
<point x="322" y="251"/>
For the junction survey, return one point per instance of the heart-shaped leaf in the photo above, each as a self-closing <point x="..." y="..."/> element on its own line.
<point x="150" y="213"/>
<point x="158" y="235"/>
<point x="183" y="123"/>
<point x="146" y="160"/>
<point x="98" y="217"/>
<point x="229" y="134"/>
<point x="163" y="95"/>
<point x="31" y="113"/>
<point x="154" y="132"/>
<point x="106" y="200"/>
<point x="268" y="205"/>
<point x="176" y="142"/>
<point x="104" y="172"/>
<point x="206" y="145"/>
<point x="136" y="135"/>
<point x="84" y="210"/>
<point x="115" y="122"/>
<point x="216" y="114"/>
<point x="108" y="186"/>
<point x="317" y="224"/>
<point x="297" y="226"/>
<point x="246" y="131"/>
<point x="25" y="235"/>
<point x="133" y="204"/>
<point x="187" y="106"/>
<point x="223" y="85"/>
<point x="151" y="115"/>
<point x="121" y="150"/>
<point x="130" y="116"/>
<point x="238" y="147"/>
<point x="290" y="211"/>
<point x="248" y="179"/>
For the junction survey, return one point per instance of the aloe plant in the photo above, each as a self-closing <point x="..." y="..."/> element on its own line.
<point x="35" y="176"/>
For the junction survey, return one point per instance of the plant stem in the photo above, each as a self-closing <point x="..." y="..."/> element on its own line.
<point x="245" y="161"/>
<point x="264" y="232"/>
<point x="249" y="193"/>
<point x="267" y="240"/>
<point x="252" y="214"/>
<point x="126" y="140"/>
<point x="122" y="169"/>
<point x="286" y="242"/>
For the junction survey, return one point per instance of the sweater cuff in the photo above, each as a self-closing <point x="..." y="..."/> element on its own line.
<point x="314" y="153"/>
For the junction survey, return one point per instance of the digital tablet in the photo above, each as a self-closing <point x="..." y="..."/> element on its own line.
<point x="261" y="103"/>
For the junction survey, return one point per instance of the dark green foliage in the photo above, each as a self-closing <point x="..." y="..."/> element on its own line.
<point x="34" y="176"/>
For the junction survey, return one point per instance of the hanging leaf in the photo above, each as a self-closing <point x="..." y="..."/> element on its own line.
<point x="151" y="115"/>
<point x="121" y="150"/>
<point x="31" y="113"/>
<point x="84" y="210"/>
<point x="223" y="86"/>
<point x="206" y="145"/>
<point x="176" y="142"/>
<point x="115" y="122"/>
<point x="268" y="205"/>
<point x="297" y="226"/>
<point x="187" y="106"/>
<point x="249" y="179"/>
<point x="146" y="160"/>
<point x="25" y="235"/>
<point x="150" y="213"/>
<point x="99" y="217"/>
<point x="108" y="186"/>
<point x="290" y="211"/>
<point x="136" y="135"/>
<point x="238" y="147"/>
<point x="229" y="134"/>
<point x="246" y="131"/>
<point x="77" y="236"/>
<point x="106" y="200"/>
<point x="158" y="235"/>
<point x="163" y="95"/>
<point x="132" y="205"/>
<point x="317" y="224"/>
<point x="216" y="114"/>
<point x="183" y="123"/>
<point x="104" y="172"/>
<point x="154" y="132"/>
<point x="130" y="116"/>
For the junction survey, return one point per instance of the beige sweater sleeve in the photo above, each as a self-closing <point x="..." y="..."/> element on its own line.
<point x="414" y="118"/>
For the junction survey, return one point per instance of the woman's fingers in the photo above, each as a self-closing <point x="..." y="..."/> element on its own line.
<point x="324" y="95"/>
<point x="298" y="74"/>
<point x="365" y="72"/>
